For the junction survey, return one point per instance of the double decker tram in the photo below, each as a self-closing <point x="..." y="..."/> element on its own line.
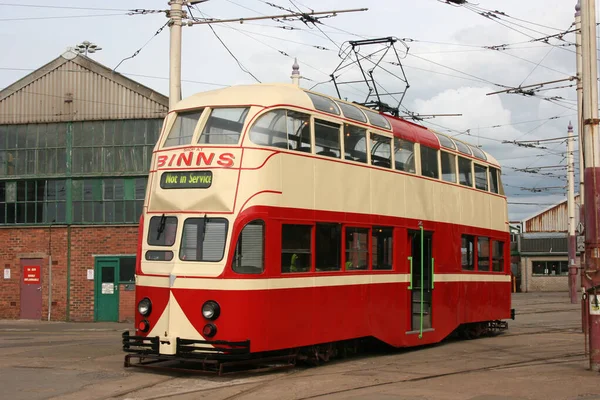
<point x="278" y="220"/>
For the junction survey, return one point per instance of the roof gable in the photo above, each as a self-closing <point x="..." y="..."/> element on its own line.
<point x="73" y="87"/>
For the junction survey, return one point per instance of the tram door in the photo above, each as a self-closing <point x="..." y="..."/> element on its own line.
<point x="421" y="278"/>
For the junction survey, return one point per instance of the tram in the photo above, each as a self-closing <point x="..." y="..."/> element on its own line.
<point x="278" y="219"/>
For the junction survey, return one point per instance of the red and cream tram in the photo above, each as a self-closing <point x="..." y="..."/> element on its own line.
<point x="277" y="218"/>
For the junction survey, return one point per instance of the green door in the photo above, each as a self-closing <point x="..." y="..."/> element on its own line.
<point x="106" y="280"/>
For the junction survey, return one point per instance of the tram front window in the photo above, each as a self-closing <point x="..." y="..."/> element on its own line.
<point x="183" y="128"/>
<point x="224" y="126"/>
<point x="203" y="239"/>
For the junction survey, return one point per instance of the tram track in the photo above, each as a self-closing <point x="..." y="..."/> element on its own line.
<point x="512" y="365"/>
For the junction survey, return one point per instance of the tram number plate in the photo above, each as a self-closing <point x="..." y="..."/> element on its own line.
<point x="186" y="180"/>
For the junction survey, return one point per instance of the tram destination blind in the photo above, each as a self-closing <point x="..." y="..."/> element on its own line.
<point x="186" y="180"/>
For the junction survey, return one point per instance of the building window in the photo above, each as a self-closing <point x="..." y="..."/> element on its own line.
<point x="183" y="128"/>
<point x="448" y="167"/>
<point x="328" y="243"/>
<point x="382" y="248"/>
<point x="33" y="202"/>
<point x="429" y="162"/>
<point x="248" y="257"/>
<point x="464" y="171"/>
<point x="483" y="254"/>
<point x="381" y="151"/>
<point x="114" y="146"/>
<point x="550" y="268"/>
<point x="296" y="253"/>
<point x="466" y="252"/>
<point x="327" y="139"/>
<point x="224" y="126"/>
<point x="33" y="149"/>
<point x="355" y="143"/>
<point x="108" y="201"/>
<point x="203" y="239"/>
<point x="404" y="156"/>
<point x="127" y="270"/>
<point x="497" y="256"/>
<point x="357" y="249"/>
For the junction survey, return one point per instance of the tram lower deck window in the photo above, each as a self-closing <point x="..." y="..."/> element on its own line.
<point x="466" y="252"/>
<point x="328" y="242"/>
<point x="357" y="249"/>
<point x="248" y="257"/>
<point x="483" y="254"/>
<point x="296" y="255"/>
<point x="162" y="231"/>
<point x="497" y="256"/>
<point x="382" y="248"/>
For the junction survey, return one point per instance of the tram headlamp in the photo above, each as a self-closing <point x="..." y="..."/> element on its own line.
<point x="211" y="310"/>
<point x="145" y="306"/>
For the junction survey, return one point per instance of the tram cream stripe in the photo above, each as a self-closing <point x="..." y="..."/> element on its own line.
<point x="304" y="282"/>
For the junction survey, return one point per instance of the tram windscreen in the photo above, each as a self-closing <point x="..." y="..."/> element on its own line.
<point x="203" y="239"/>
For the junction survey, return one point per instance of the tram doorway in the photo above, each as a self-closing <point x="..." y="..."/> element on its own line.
<point x="421" y="279"/>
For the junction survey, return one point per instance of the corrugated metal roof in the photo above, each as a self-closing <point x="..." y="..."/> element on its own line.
<point x="74" y="88"/>
<point x="553" y="219"/>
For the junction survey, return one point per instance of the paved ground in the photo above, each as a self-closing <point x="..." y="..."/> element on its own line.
<point x="540" y="357"/>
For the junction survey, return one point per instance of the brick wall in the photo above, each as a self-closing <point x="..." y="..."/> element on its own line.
<point x="532" y="283"/>
<point x="86" y="242"/>
<point x="34" y="243"/>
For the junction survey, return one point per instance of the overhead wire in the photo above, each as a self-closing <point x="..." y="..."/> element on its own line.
<point x="145" y="44"/>
<point x="242" y="67"/>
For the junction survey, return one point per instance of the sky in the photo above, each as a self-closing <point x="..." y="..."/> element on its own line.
<point x="452" y="57"/>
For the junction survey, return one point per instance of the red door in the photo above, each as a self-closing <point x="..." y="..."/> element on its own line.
<point x="31" y="289"/>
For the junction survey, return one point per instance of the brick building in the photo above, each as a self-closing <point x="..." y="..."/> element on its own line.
<point x="76" y="141"/>
<point x="542" y="250"/>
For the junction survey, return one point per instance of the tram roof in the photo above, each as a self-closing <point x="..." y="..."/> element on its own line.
<point x="284" y="94"/>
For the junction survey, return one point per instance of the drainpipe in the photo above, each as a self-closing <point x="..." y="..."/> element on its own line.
<point x="50" y="270"/>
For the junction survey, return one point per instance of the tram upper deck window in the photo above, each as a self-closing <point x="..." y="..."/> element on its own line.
<point x="183" y="128"/>
<point x="465" y="173"/>
<point x="284" y="129"/>
<point x="448" y="167"/>
<point x="481" y="176"/>
<point x="477" y="152"/>
<point x="494" y="180"/>
<point x="327" y="139"/>
<point x="446" y="142"/>
<point x="429" y="162"/>
<point x="377" y="119"/>
<point x="463" y="148"/>
<point x="355" y="143"/>
<point x="352" y="112"/>
<point x="381" y="151"/>
<point x="404" y="155"/>
<point x="224" y="126"/>
<point x="203" y="239"/>
<point x="322" y="103"/>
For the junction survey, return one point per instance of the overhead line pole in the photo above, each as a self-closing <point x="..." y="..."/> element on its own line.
<point x="572" y="243"/>
<point x="178" y="18"/>
<point x="592" y="174"/>
<point x="582" y="280"/>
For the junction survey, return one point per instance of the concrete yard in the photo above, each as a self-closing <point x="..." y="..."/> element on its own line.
<point x="541" y="356"/>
